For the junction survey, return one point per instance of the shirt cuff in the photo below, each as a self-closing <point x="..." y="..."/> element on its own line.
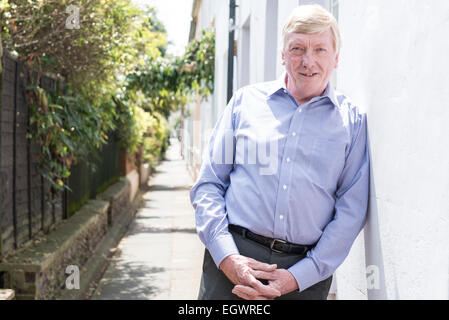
<point x="222" y="247"/>
<point x="306" y="273"/>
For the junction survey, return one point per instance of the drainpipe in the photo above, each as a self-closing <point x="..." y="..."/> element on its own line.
<point x="232" y="7"/>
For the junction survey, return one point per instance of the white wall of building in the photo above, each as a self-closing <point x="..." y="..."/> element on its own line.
<point x="251" y="15"/>
<point x="394" y="64"/>
<point x="212" y="15"/>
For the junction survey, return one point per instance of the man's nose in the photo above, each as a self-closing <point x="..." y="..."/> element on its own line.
<point x="307" y="59"/>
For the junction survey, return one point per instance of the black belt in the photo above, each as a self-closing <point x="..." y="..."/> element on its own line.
<point x="276" y="245"/>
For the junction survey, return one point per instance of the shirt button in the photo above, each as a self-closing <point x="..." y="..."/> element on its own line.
<point x="294" y="134"/>
<point x="288" y="159"/>
<point x="284" y="187"/>
<point x="299" y="110"/>
<point x="281" y="217"/>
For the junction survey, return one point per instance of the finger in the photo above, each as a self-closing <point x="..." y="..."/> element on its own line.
<point x="264" y="275"/>
<point x="254" y="264"/>
<point x="262" y="289"/>
<point x="248" y="293"/>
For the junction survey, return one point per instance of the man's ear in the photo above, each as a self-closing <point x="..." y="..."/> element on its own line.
<point x="282" y="58"/>
<point x="336" y="60"/>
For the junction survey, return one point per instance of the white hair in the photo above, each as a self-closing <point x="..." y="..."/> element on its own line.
<point x="309" y="19"/>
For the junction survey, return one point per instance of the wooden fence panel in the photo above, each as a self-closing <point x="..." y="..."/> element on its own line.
<point x="8" y="95"/>
<point x="26" y="203"/>
<point x="27" y="206"/>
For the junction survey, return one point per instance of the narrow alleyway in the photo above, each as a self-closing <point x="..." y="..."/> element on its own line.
<point x="160" y="257"/>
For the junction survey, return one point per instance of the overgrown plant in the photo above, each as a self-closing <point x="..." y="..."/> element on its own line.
<point x="167" y="82"/>
<point x="162" y="86"/>
<point x="198" y="64"/>
<point x="114" y="38"/>
<point x="115" y="75"/>
<point x="141" y="128"/>
<point x="67" y="127"/>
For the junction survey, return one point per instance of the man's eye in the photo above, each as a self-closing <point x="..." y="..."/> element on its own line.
<point x="321" y="50"/>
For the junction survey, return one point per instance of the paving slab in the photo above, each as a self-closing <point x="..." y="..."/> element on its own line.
<point x="160" y="257"/>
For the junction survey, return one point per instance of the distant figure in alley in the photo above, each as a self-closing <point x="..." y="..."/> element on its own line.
<point x="281" y="234"/>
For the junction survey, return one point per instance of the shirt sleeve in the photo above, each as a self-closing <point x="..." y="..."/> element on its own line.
<point x="207" y="194"/>
<point x="349" y="215"/>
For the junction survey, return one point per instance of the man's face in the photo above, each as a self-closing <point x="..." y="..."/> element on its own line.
<point x="309" y="60"/>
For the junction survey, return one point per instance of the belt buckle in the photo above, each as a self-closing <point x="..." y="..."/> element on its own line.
<point x="273" y="242"/>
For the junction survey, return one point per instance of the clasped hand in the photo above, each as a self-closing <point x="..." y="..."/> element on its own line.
<point x="245" y="273"/>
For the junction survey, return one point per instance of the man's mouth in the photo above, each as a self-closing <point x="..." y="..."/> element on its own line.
<point x="308" y="75"/>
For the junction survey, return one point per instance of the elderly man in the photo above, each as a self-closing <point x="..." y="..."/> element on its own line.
<point x="282" y="232"/>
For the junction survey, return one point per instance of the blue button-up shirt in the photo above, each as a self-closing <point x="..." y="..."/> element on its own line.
<point x="299" y="173"/>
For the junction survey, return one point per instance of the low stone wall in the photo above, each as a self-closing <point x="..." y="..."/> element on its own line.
<point x="118" y="196"/>
<point x="39" y="270"/>
<point x="133" y="180"/>
<point x="145" y="172"/>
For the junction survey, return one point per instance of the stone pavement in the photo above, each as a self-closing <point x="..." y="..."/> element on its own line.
<point x="160" y="257"/>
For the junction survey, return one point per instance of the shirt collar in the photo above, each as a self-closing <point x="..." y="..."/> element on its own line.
<point x="279" y="84"/>
<point x="330" y="93"/>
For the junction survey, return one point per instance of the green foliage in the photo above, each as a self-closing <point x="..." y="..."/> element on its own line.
<point x="155" y="142"/>
<point x="162" y="86"/>
<point x="168" y="82"/>
<point x="67" y="127"/>
<point x="114" y="38"/>
<point x="133" y="122"/>
<point x="142" y="128"/>
<point x="198" y="64"/>
<point x="116" y="76"/>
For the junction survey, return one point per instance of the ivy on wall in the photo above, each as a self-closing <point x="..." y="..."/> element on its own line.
<point x="166" y="82"/>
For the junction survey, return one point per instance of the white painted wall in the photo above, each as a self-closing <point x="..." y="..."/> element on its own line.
<point x="394" y="64"/>
<point x="253" y="11"/>
<point x="212" y="15"/>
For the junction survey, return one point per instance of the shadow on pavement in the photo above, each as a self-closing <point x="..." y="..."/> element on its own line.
<point x="130" y="281"/>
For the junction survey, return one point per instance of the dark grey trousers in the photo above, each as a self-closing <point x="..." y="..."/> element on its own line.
<point x="216" y="286"/>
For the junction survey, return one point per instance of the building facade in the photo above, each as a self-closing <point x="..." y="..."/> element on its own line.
<point x="392" y="65"/>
